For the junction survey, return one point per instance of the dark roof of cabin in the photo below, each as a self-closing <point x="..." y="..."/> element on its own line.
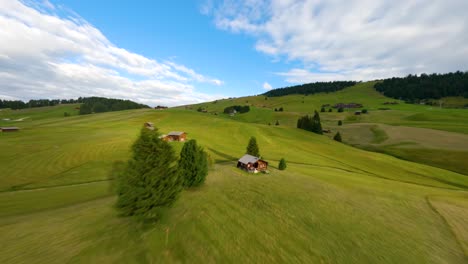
<point x="175" y="133"/>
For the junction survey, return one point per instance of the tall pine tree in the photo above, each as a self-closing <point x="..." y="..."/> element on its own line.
<point x="317" y="126"/>
<point x="252" y="147"/>
<point x="149" y="184"/>
<point x="193" y="164"/>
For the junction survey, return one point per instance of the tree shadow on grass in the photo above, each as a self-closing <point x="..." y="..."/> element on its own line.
<point x="226" y="157"/>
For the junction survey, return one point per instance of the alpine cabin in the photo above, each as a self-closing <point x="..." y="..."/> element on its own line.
<point x="252" y="164"/>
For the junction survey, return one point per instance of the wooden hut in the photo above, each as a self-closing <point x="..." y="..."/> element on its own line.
<point x="9" y="129"/>
<point x="176" y="136"/>
<point x="252" y="164"/>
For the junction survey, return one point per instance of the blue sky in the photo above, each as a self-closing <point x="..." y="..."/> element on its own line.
<point x="179" y="52"/>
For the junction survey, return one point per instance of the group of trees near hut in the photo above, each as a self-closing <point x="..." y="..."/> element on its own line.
<point x="434" y="86"/>
<point x="237" y="108"/>
<point x="100" y="105"/>
<point x="152" y="180"/>
<point x="310" y="123"/>
<point x="311" y="88"/>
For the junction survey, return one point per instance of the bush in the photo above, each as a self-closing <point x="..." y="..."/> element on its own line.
<point x="337" y="137"/>
<point x="364" y="111"/>
<point x="322" y="110"/>
<point x="149" y="184"/>
<point x="282" y="164"/>
<point x="340" y="110"/>
<point x="280" y="109"/>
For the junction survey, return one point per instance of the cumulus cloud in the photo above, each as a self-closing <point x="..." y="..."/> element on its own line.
<point x="267" y="86"/>
<point x="44" y="55"/>
<point x="358" y="40"/>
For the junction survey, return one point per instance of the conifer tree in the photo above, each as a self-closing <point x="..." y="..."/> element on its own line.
<point x="317" y="126"/>
<point x="149" y="183"/>
<point x="193" y="164"/>
<point x="337" y="137"/>
<point x="322" y="110"/>
<point x="277" y="123"/>
<point x="252" y="147"/>
<point x="282" y="164"/>
<point x="340" y="122"/>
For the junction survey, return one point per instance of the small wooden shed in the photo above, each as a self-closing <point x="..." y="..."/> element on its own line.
<point x="252" y="164"/>
<point x="176" y="136"/>
<point x="9" y="129"/>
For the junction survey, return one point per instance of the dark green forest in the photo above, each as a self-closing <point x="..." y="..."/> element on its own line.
<point x="101" y="104"/>
<point x="89" y="104"/>
<point x="413" y="88"/>
<point x="311" y="88"/>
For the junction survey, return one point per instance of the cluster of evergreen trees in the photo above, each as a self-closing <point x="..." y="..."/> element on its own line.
<point x="310" y="123"/>
<point x="238" y="108"/>
<point x="101" y="104"/>
<point x="18" y="104"/>
<point x="153" y="179"/>
<point x="90" y="104"/>
<point x="414" y="88"/>
<point x="311" y="88"/>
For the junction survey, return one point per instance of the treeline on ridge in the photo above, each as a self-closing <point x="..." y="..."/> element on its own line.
<point x="434" y="86"/>
<point x="101" y="104"/>
<point x="89" y="104"/>
<point x="311" y="88"/>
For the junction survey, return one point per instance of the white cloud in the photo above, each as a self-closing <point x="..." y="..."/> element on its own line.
<point x="43" y="55"/>
<point x="267" y="86"/>
<point x="358" y="40"/>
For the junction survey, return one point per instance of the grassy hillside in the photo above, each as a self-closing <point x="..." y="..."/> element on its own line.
<point x="334" y="203"/>
<point x="418" y="127"/>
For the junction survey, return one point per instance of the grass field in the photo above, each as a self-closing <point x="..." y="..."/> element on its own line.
<point x="333" y="204"/>
<point x="421" y="133"/>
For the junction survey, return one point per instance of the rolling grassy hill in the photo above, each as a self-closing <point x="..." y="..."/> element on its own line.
<point x="416" y="126"/>
<point x="334" y="203"/>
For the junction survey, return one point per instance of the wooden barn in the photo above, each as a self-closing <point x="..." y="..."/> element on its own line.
<point x="149" y="125"/>
<point x="9" y="129"/>
<point x="252" y="164"/>
<point x="176" y="136"/>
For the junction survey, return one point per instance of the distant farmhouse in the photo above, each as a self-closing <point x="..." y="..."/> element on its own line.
<point x="349" y="105"/>
<point x="9" y="129"/>
<point x="252" y="164"/>
<point x="160" y="107"/>
<point x="175" y="136"/>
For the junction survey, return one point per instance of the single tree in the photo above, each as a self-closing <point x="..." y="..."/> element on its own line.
<point x="364" y="111"/>
<point x="322" y="110"/>
<point x="277" y="123"/>
<point x="330" y="110"/>
<point x="252" y="147"/>
<point x="337" y="137"/>
<point x="340" y="109"/>
<point x="340" y="122"/>
<point x="193" y="165"/>
<point x="149" y="184"/>
<point x="276" y="110"/>
<point x="317" y="126"/>
<point x="281" y="109"/>
<point x="282" y="164"/>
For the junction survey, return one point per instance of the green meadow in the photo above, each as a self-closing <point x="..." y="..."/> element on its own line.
<point x="333" y="204"/>
<point x="422" y="133"/>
